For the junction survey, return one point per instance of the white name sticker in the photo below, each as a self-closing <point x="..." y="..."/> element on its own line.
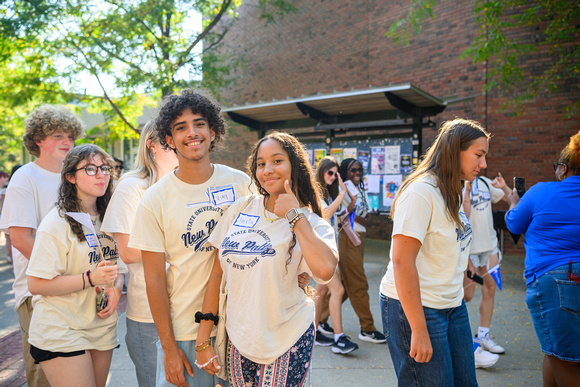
<point x="92" y="240"/>
<point x="486" y="196"/>
<point x="246" y="221"/>
<point x="222" y="195"/>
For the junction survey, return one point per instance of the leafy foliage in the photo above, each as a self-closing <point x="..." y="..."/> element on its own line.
<point x="136" y="51"/>
<point x="554" y="25"/>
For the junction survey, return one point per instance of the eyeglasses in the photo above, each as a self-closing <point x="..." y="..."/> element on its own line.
<point x="118" y="167"/>
<point x="356" y="170"/>
<point x="331" y="173"/>
<point x="92" y="169"/>
<point x="556" y="165"/>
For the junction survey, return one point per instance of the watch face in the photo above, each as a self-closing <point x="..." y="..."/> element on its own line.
<point x="291" y="214"/>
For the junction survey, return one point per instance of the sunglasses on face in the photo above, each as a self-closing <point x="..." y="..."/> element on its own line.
<point x="91" y="169"/>
<point x="331" y="173"/>
<point x="356" y="170"/>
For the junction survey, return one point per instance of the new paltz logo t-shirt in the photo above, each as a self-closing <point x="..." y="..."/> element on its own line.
<point x="266" y="310"/>
<point x="177" y="218"/>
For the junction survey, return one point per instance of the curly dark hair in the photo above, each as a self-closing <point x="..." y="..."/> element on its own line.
<point x="324" y="165"/>
<point x="68" y="200"/>
<point x="199" y="102"/>
<point x="48" y="119"/>
<point x="306" y="188"/>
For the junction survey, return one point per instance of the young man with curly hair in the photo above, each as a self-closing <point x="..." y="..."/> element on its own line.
<point x="174" y="219"/>
<point x="50" y="134"/>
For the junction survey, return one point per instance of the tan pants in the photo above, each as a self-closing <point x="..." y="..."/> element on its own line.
<point x="354" y="280"/>
<point x="34" y="374"/>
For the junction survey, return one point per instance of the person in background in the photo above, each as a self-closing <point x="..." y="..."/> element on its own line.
<point x="70" y="337"/>
<point x="351" y="262"/>
<point x="263" y="242"/>
<point x="49" y="135"/>
<point x="153" y="162"/>
<point x="328" y="177"/>
<point x="119" y="167"/>
<point x="549" y="215"/>
<point x="484" y="254"/>
<point x="175" y="217"/>
<point x="424" y="313"/>
<point x="8" y="245"/>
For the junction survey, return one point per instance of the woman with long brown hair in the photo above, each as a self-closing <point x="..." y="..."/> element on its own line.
<point x="68" y="331"/>
<point x="263" y="242"/>
<point x="424" y="314"/>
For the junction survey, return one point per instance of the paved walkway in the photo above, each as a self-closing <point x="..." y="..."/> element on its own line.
<point x="369" y="366"/>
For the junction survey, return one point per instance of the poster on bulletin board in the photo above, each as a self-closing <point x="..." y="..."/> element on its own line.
<point x="336" y="153"/>
<point x="391" y="184"/>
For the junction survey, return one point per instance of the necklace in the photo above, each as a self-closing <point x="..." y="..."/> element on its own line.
<point x="265" y="216"/>
<point x="94" y="220"/>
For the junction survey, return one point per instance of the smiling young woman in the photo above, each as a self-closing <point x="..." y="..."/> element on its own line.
<point x="422" y="292"/>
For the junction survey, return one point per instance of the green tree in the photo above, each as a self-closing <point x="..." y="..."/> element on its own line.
<point x="556" y="23"/>
<point x="136" y="51"/>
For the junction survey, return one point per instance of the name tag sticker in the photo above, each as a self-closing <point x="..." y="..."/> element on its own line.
<point x="222" y="195"/>
<point x="92" y="240"/>
<point x="486" y="196"/>
<point x="246" y="221"/>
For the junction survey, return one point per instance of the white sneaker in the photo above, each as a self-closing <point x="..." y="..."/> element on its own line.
<point x="484" y="359"/>
<point x="489" y="345"/>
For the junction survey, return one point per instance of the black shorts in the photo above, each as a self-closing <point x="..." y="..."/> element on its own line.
<point x="40" y="355"/>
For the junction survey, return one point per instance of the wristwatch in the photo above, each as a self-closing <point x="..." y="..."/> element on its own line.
<point x="293" y="215"/>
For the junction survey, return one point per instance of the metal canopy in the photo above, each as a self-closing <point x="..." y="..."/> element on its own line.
<point x="374" y="107"/>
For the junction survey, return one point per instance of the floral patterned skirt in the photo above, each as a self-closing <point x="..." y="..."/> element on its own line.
<point x="290" y="369"/>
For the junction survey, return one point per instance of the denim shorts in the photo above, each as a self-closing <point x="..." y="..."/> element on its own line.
<point x="482" y="259"/>
<point x="452" y="363"/>
<point x="554" y="304"/>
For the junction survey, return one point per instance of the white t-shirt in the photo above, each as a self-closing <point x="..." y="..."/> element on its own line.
<point x="31" y="194"/>
<point x="69" y="322"/>
<point x="420" y="213"/>
<point x="119" y="219"/>
<point x="176" y="218"/>
<point x="266" y="310"/>
<point x="481" y="216"/>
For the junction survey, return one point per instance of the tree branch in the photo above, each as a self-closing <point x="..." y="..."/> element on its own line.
<point x="182" y="59"/>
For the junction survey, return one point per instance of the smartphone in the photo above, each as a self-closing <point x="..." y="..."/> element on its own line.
<point x="474" y="277"/>
<point x="520" y="185"/>
<point x="351" y="187"/>
<point x="102" y="300"/>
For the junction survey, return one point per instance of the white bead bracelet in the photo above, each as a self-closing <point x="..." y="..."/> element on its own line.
<point x="200" y="366"/>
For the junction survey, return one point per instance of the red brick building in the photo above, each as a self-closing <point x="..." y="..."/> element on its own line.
<point x="339" y="45"/>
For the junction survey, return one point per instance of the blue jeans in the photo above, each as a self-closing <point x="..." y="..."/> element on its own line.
<point x="140" y="340"/>
<point x="452" y="363"/>
<point x="200" y="379"/>
<point x="554" y="304"/>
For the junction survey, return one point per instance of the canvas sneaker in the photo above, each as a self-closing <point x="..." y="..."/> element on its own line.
<point x="344" y="345"/>
<point x="372" y="337"/>
<point x="484" y="359"/>
<point x="325" y="328"/>
<point x="323" y="341"/>
<point x="489" y="345"/>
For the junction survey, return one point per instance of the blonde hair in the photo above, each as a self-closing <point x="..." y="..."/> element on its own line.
<point x="443" y="161"/>
<point x="570" y="155"/>
<point x="48" y="119"/>
<point x="145" y="166"/>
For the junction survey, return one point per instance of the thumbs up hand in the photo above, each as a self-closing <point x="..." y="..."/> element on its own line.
<point x="286" y="201"/>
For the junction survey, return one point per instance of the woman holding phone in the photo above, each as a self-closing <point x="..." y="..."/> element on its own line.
<point x="70" y="337"/>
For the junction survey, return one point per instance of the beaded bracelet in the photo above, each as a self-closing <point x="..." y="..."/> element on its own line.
<point x="200" y="366"/>
<point x="203" y="346"/>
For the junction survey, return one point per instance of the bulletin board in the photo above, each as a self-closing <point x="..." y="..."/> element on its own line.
<point x="385" y="161"/>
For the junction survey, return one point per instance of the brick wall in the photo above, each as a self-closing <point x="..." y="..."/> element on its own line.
<point x="338" y="45"/>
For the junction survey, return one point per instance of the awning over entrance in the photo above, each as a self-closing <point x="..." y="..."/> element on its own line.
<point x="372" y="108"/>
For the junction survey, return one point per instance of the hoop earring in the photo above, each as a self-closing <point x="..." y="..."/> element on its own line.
<point x="561" y="177"/>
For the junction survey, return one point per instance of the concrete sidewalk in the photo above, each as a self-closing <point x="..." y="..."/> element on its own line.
<point x="370" y="365"/>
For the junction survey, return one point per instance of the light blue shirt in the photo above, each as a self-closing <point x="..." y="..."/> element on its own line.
<point x="549" y="215"/>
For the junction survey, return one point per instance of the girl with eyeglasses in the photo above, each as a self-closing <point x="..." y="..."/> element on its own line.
<point x="70" y="338"/>
<point x="153" y="162"/>
<point x="549" y="215"/>
<point x="329" y="178"/>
